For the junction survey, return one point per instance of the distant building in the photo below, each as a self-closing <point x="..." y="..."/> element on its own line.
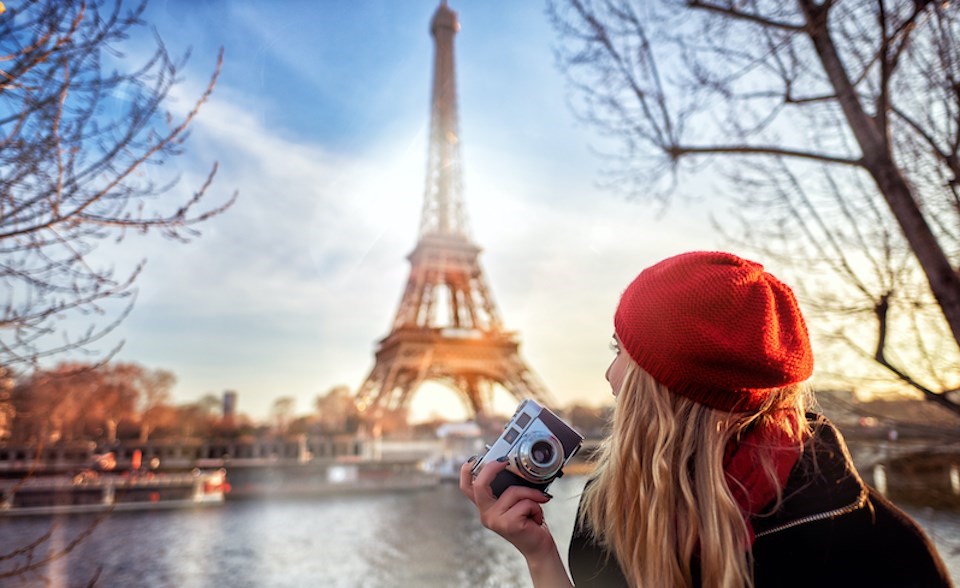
<point x="229" y="405"/>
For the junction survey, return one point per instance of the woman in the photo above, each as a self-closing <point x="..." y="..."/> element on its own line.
<point x="713" y="473"/>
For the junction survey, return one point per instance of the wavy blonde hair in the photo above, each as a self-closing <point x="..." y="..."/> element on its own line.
<point x="659" y="499"/>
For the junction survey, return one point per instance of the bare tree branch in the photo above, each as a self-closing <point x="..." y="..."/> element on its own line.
<point x="679" y="151"/>
<point x="882" y="309"/>
<point x="729" y="11"/>
<point x="75" y="139"/>
<point x="837" y="126"/>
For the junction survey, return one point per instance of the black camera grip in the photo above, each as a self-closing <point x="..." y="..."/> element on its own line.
<point x="506" y="478"/>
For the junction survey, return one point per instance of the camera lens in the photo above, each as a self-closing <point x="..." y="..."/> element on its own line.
<point x="541" y="453"/>
<point x="539" y="456"/>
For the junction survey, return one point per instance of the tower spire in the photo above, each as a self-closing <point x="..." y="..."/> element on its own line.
<point x="443" y="199"/>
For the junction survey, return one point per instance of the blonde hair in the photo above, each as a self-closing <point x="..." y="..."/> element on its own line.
<point x="659" y="497"/>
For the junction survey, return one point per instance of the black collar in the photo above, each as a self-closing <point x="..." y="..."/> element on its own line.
<point x="823" y="484"/>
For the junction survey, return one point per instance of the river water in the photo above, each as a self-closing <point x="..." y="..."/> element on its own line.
<point x="424" y="538"/>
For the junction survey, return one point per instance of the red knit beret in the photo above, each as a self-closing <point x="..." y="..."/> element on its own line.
<point x="715" y="328"/>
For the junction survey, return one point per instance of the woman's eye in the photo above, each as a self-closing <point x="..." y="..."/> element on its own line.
<point x="614" y="346"/>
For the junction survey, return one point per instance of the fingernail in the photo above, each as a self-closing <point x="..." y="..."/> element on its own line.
<point x="502" y="459"/>
<point x="547" y="494"/>
<point x="473" y="458"/>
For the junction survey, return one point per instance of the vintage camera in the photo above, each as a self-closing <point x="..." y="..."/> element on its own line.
<point x="537" y="445"/>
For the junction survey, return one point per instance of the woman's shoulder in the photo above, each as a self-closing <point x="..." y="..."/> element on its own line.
<point x="877" y="545"/>
<point x="899" y="535"/>
<point x="840" y="526"/>
<point x="589" y="562"/>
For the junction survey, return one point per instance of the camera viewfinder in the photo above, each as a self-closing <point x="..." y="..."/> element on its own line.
<point x="511" y="435"/>
<point x="522" y="420"/>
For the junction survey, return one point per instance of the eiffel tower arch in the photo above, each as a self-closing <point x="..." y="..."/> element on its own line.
<point x="447" y="328"/>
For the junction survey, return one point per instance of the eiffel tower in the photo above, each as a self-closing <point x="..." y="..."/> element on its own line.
<point x="467" y="348"/>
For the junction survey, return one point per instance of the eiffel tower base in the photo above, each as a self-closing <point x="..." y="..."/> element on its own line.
<point x="470" y="362"/>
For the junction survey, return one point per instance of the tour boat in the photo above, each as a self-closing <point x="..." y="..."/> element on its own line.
<point x="92" y="491"/>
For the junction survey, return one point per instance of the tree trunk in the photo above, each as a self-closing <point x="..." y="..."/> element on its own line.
<point x="877" y="159"/>
<point x="944" y="282"/>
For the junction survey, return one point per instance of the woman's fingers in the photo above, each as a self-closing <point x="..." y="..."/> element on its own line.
<point x="466" y="478"/>
<point x="525" y="510"/>
<point x="517" y="519"/>
<point x="512" y="509"/>
<point x="516" y="515"/>
<point x="480" y="486"/>
<point x="482" y="492"/>
<point x="508" y="513"/>
<point x="516" y="494"/>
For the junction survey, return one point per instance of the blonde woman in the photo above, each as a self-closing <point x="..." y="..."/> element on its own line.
<point x="713" y="474"/>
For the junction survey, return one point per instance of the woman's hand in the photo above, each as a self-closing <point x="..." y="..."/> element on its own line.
<point x="516" y="516"/>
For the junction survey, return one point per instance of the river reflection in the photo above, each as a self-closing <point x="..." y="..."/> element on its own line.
<point x="425" y="538"/>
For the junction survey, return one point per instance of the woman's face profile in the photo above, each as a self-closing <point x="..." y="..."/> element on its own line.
<point x="618" y="367"/>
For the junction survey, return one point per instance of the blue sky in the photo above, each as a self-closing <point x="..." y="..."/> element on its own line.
<point x="320" y="122"/>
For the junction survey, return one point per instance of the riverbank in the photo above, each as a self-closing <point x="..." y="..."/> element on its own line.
<point x="429" y="538"/>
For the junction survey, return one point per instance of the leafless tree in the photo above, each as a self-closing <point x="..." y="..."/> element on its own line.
<point x="80" y="127"/>
<point x="197" y="419"/>
<point x="859" y="281"/>
<point x="281" y="413"/>
<point x="155" y="386"/>
<point x="336" y="411"/>
<point x="841" y="119"/>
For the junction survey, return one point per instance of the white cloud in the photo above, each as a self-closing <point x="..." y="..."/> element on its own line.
<point x="288" y="292"/>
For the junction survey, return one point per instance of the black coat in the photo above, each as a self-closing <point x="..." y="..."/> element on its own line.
<point x="830" y="530"/>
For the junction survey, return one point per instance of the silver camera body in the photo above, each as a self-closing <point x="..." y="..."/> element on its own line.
<point x="537" y="445"/>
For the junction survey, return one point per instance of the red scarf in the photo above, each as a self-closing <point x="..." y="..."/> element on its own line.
<point x="747" y="480"/>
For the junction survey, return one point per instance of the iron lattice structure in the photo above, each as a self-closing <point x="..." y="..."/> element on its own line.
<point x="447" y="327"/>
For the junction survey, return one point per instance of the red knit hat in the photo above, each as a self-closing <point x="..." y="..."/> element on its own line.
<point x="715" y="328"/>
